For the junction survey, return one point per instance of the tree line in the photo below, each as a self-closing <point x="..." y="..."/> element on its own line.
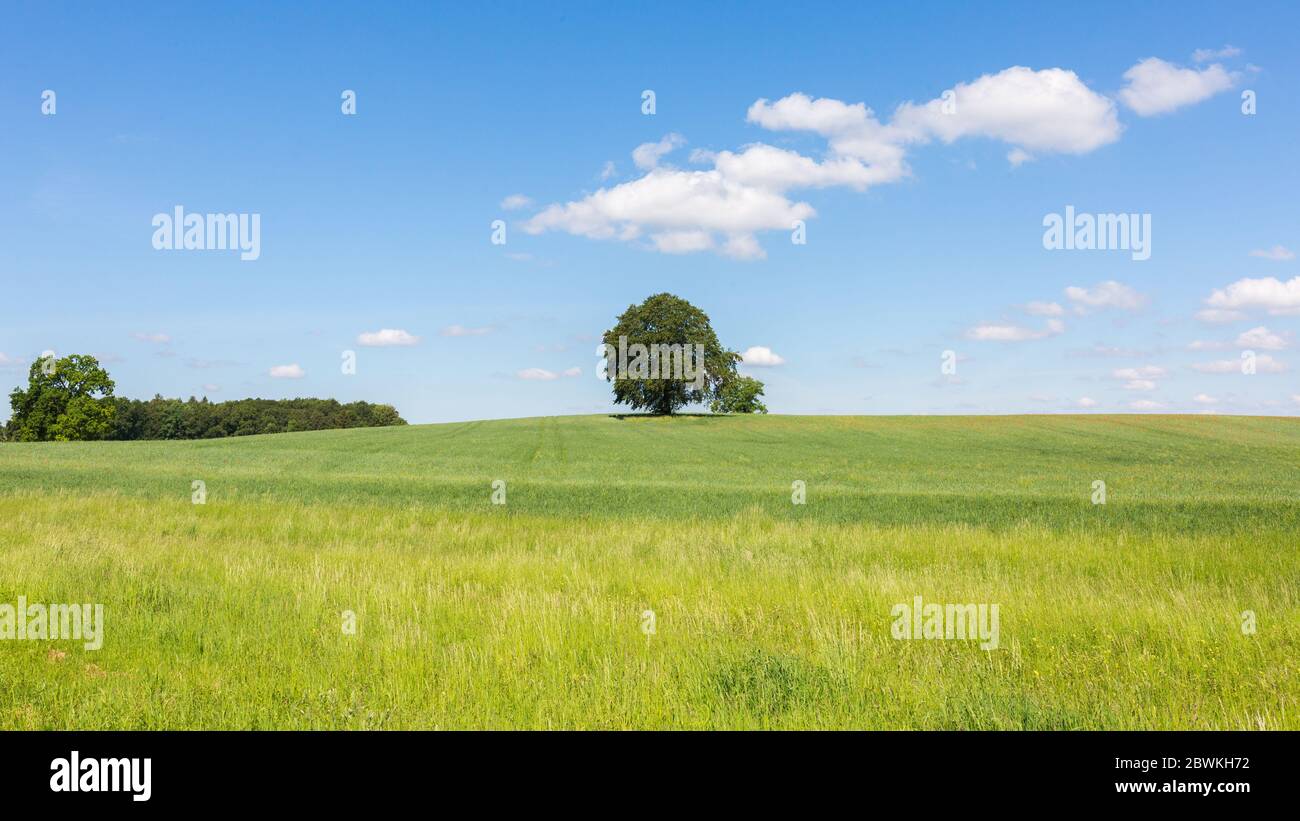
<point x="71" y="399"/>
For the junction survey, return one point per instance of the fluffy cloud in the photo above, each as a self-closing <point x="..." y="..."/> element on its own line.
<point x="386" y="337"/>
<point x="723" y="208"/>
<point x="1157" y="87"/>
<point x="1262" y="338"/>
<point x="515" y="201"/>
<point x="761" y="357"/>
<point x="461" y="330"/>
<point x="287" y="372"/>
<point x="1205" y="399"/>
<point x="1268" y="293"/>
<point x="1108" y="294"/>
<point x="1051" y="110"/>
<point x="647" y="155"/>
<point x="1086" y="402"/>
<point x="1005" y="332"/>
<point x="1277" y="253"/>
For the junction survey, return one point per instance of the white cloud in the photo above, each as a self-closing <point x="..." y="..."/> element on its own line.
<point x="1216" y="316"/>
<point x="1277" y="253"/>
<point x="1263" y="364"/>
<point x="1044" y="309"/>
<point x="1268" y="293"/>
<point x="1139" y="385"/>
<point x="1050" y="110"/>
<point x="1295" y="397"/>
<point x="1262" y="338"/>
<point x="647" y="155"/>
<point x="575" y="371"/>
<point x="1145" y="404"/>
<point x="537" y="374"/>
<point x="1005" y="332"/>
<point x="724" y="207"/>
<point x="461" y="330"/>
<point x="608" y="170"/>
<point x="761" y="357"/>
<point x="1202" y="345"/>
<point x="1157" y="87"/>
<point x="1108" y="294"/>
<point x="1202" y="55"/>
<point x="1205" y="399"/>
<point x="386" y="337"/>
<point x="7" y="361"/>
<point x="1086" y="402"/>
<point x="155" y="338"/>
<point x="516" y="201"/>
<point x="287" y="372"/>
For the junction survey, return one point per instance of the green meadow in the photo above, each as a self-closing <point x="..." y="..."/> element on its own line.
<point x="762" y="613"/>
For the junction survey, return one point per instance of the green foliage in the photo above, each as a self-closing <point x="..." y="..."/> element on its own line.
<point x="68" y="399"/>
<point x="740" y="395"/>
<point x="161" y="418"/>
<point x="666" y="320"/>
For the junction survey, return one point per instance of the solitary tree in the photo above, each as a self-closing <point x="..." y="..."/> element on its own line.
<point x="66" y="399"/>
<point x="663" y="354"/>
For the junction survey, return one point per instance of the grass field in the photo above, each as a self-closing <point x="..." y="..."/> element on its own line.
<point x="767" y="614"/>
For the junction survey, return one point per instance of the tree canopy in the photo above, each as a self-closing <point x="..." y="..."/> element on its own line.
<point x="662" y="355"/>
<point x="66" y="399"/>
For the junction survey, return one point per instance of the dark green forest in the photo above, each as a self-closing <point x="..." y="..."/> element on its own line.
<point x="161" y="418"/>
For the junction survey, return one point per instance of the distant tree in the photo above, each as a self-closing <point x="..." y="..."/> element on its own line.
<point x="740" y="395"/>
<point x="652" y="356"/>
<point x="67" y="399"/>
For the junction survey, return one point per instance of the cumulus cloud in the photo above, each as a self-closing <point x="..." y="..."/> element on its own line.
<point x="1108" y="294"/>
<point x="1277" y="253"/>
<point x="1047" y="111"/>
<point x="647" y="155"/>
<point x="1141" y="378"/>
<point x="1262" y="338"/>
<point x="293" y="371"/>
<point x="154" y="338"/>
<point x="1006" y="332"/>
<point x="1157" y="87"/>
<point x="1268" y="293"/>
<point x="575" y="371"/>
<point x="759" y="356"/>
<point x="1205" y="399"/>
<point x="1263" y="364"/>
<point x="386" y="337"/>
<point x="516" y="201"/>
<point x="1086" y="402"/>
<point x="461" y="330"/>
<point x="724" y="207"/>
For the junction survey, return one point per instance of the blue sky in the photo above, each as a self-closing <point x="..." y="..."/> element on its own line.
<point x="924" y="225"/>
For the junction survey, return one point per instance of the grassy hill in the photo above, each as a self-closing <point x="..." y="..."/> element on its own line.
<point x="766" y="613"/>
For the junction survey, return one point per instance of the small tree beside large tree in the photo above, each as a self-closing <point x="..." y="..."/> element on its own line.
<point x="662" y="355"/>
